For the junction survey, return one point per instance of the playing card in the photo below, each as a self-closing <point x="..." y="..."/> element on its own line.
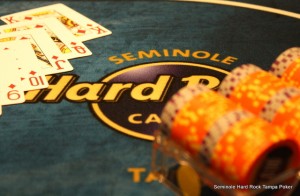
<point x="50" y="59"/>
<point x="11" y="91"/>
<point x="81" y="26"/>
<point x="21" y="52"/>
<point x="66" y="42"/>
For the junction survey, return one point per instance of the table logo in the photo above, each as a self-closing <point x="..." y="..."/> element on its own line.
<point x="130" y="100"/>
<point x="135" y="96"/>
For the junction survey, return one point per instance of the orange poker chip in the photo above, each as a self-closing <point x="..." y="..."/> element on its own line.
<point x="236" y="75"/>
<point x="288" y="117"/>
<point x="193" y="121"/>
<point x="255" y="90"/>
<point x="292" y="73"/>
<point x="243" y="153"/>
<point x="275" y="102"/>
<point x="284" y="60"/>
<point x="176" y="102"/>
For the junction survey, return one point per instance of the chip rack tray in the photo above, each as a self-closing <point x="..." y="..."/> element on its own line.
<point x="166" y="154"/>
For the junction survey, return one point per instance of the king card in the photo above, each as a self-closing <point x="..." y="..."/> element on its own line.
<point x="69" y="46"/>
<point x="81" y="26"/>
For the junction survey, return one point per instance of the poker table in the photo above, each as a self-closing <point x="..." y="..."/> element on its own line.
<point x="63" y="142"/>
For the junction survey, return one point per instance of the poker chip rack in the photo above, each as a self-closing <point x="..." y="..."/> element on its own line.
<point x="241" y="140"/>
<point x="166" y="154"/>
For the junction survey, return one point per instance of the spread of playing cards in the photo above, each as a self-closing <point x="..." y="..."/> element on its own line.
<point x="40" y="42"/>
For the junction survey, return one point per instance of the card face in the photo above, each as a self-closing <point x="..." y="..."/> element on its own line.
<point x="69" y="46"/>
<point x="31" y="74"/>
<point x="11" y="91"/>
<point x="81" y="26"/>
<point x="50" y="59"/>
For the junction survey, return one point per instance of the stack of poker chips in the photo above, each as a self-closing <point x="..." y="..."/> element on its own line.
<point x="247" y="132"/>
<point x="273" y="95"/>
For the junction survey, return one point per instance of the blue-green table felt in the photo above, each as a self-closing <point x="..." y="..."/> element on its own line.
<point x="63" y="149"/>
